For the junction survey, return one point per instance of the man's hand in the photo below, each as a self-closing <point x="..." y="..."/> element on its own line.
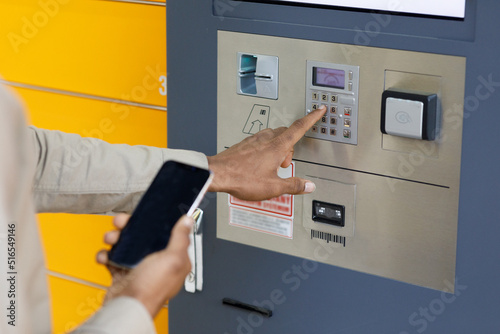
<point x="249" y="169"/>
<point x="158" y="277"/>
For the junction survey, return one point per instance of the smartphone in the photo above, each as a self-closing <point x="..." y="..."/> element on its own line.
<point x="176" y="190"/>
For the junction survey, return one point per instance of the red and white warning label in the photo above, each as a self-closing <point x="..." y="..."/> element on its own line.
<point x="274" y="216"/>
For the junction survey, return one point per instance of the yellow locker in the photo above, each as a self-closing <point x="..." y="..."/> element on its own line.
<point x="73" y="303"/>
<point x="103" y="48"/>
<point x="71" y="243"/>
<point x="111" y="121"/>
<point x="99" y="53"/>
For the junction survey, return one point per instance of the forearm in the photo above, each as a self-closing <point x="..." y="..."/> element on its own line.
<point x="88" y="175"/>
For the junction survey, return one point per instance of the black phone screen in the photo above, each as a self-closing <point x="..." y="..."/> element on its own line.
<point x="170" y="195"/>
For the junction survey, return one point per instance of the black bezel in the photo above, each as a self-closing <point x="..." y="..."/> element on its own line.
<point x="429" y="119"/>
<point x="334" y="222"/>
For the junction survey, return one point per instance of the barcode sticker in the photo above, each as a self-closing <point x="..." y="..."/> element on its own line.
<point x="328" y="237"/>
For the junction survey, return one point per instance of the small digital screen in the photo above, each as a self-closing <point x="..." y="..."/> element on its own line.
<point x="328" y="77"/>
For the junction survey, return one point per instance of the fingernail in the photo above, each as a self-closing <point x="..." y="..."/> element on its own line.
<point x="310" y="187"/>
<point x="322" y="107"/>
<point x="188" y="221"/>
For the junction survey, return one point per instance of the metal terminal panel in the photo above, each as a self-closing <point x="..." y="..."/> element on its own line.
<point x="400" y="194"/>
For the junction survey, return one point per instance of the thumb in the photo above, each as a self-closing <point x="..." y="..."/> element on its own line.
<point x="179" y="238"/>
<point x="296" y="186"/>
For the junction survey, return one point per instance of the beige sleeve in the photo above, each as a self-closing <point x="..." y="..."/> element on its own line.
<point x="123" y="315"/>
<point x="88" y="175"/>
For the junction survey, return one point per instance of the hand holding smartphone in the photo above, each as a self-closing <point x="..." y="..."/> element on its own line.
<point x="176" y="190"/>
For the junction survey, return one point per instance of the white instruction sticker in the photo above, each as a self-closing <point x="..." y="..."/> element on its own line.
<point x="261" y="222"/>
<point x="274" y="216"/>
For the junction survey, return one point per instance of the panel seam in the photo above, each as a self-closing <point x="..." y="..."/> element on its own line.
<point x="81" y="281"/>
<point x="82" y="95"/>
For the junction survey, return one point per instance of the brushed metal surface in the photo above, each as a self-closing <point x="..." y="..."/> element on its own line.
<point x="401" y="195"/>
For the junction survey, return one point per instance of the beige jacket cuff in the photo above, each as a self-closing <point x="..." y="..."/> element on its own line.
<point x="122" y="315"/>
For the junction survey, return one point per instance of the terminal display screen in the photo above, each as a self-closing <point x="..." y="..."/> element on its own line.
<point x="328" y="77"/>
<point x="449" y="8"/>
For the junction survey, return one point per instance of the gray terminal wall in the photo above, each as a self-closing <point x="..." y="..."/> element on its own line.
<point x="310" y="297"/>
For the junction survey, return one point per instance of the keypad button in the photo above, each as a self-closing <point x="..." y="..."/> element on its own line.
<point x="339" y="123"/>
<point x="347" y="100"/>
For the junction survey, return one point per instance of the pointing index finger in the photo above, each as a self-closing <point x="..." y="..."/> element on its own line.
<point x="298" y="128"/>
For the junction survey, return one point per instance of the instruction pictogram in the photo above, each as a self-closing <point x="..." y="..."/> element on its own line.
<point x="257" y="120"/>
